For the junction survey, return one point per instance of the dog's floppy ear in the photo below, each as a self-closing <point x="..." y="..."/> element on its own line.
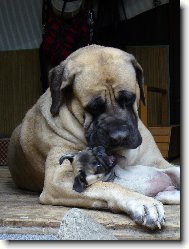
<point x="55" y="81"/>
<point x="69" y="157"/>
<point x="140" y="79"/>
<point x="60" y="77"/>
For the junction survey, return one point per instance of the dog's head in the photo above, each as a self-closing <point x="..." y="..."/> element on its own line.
<point x="89" y="166"/>
<point x="107" y="84"/>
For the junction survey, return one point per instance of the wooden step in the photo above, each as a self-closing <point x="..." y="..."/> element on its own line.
<point x="164" y="153"/>
<point x="167" y="139"/>
<point x="162" y="139"/>
<point x="163" y="146"/>
<point x="160" y="131"/>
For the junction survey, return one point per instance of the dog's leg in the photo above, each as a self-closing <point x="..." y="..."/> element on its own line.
<point x="174" y="174"/>
<point x="58" y="190"/>
<point x="163" y="185"/>
<point x="169" y="197"/>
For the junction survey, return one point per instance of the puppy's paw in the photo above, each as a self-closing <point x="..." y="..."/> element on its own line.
<point x="147" y="212"/>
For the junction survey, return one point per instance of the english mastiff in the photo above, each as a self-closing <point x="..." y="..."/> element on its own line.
<point x="93" y="100"/>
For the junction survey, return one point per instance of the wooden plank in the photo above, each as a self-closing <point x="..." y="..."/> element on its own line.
<point x="163" y="146"/>
<point x="113" y="222"/>
<point x="20" y="86"/>
<point x="164" y="109"/>
<point x="162" y="139"/>
<point x="154" y="61"/>
<point x="21" y="212"/>
<point x="164" y="153"/>
<point x="169" y="135"/>
<point x="160" y="131"/>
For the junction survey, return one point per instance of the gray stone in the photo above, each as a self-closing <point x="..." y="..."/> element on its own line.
<point x="26" y="237"/>
<point x="77" y="225"/>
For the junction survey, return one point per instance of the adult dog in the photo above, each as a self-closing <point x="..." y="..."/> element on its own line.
<point x="93" y="98"/>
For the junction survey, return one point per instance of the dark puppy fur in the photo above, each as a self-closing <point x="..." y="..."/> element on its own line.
<point x="90" y="165"/>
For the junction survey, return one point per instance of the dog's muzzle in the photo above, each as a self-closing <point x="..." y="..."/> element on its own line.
<point x="112" y="132"/>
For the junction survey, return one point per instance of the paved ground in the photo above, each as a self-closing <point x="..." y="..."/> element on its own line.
<point x="26" y="237"/>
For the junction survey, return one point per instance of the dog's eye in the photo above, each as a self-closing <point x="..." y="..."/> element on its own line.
<point x="99" y="170"/>
<point x="126" y="98"/>
<point x="96" y="106"/>
<point x="95" y="164"/>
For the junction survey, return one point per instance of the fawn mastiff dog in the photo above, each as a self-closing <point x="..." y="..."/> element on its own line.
<point x="93" y="100"/>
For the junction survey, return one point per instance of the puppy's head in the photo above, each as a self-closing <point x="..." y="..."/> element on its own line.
<point x="89" y="166"/>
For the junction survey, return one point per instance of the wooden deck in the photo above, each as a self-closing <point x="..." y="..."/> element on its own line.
<point x="21" y="213"/>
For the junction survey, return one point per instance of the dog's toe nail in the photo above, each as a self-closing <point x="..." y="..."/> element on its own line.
<point x="144" y="221"/>
<point x="159" y="225"/>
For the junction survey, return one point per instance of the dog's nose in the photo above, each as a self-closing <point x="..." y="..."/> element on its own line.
<point x="119" y="135"/>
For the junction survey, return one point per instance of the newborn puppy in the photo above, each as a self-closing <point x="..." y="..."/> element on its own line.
<point x="93" y="164"/>
<point x="89" y="166"/>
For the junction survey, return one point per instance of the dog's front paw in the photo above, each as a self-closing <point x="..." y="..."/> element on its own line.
<point x="147" y="212"/>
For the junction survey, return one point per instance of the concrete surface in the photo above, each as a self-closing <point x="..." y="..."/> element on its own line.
<point x="26" y="237"/>
<point x="77" y="225"/>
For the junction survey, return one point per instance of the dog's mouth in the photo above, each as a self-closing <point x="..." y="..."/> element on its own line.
<point x="109" y="176"/>
<point x="107" y="160"/>
<point x="112" y="160"/>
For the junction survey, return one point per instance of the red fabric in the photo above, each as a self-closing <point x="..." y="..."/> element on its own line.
<point x="63" y="36"/>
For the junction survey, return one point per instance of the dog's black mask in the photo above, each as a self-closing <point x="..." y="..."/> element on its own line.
<point x="80" y="182"/>
<point x="113" y="129"/>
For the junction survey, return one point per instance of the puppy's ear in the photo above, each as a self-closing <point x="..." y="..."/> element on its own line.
<point x="140" y="79"/>
<point x="80" y="183"/>
<point x="70" y="157"/>
<point x="60" y="77"/>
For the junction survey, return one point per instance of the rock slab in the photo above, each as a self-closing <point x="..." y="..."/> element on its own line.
<point x="77" y="225"/>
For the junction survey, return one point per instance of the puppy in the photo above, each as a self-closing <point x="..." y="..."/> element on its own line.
<point x="89" y="166"/>
<point x="94" y="164"/>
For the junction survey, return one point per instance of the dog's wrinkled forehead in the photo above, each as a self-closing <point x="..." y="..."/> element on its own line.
<point x="95" y="71"/>
<point x="103" y="74"/>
